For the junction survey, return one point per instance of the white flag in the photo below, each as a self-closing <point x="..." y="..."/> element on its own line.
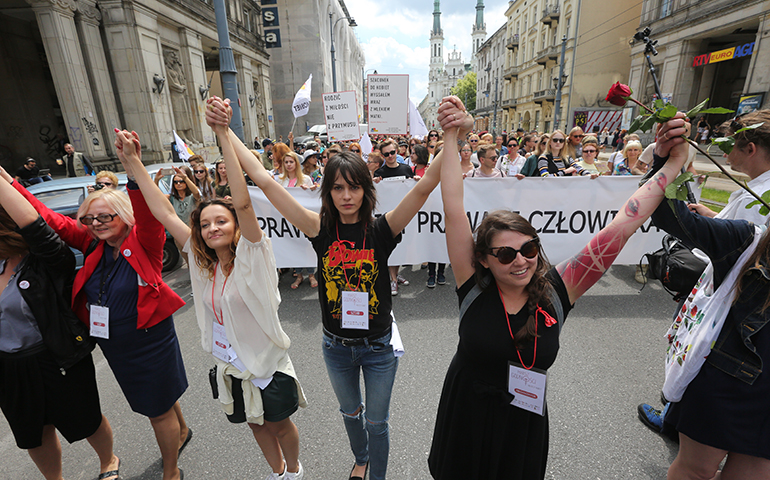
<point x="182" y="149"/>
<point x="301" y="104"/>
<point x="417" y="127"/>
<point x="366" y="146"/>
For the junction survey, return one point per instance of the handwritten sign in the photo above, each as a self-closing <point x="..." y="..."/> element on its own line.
<point x="341" y="114"/>
<point x="388" y="104"/>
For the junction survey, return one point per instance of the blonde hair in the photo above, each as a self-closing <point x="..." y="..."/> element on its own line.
<point x="563" y="144"/>
<point x="297" y="168"/>
<point x="632" y="144"/>
<point x="106" y="173"/>
<point x="115" y="199"/>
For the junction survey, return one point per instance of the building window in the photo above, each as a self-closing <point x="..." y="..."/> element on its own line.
<point x="665" y="8"/>
<point x="532" y="47"/>
<point x="569" y="20"/>
<point x="247" y="19"/>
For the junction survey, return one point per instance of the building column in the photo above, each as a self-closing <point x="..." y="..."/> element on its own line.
<point x="245" y="86"/>
<point x="97" y="69"/>
<point x="195" y="74"/>
<point x="56" y="21"/>
<point x="757" y="80"/>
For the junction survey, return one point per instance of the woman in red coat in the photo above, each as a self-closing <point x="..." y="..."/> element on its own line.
<point x="120" y="293"/>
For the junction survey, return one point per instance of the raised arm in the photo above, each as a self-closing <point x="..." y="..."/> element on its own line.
<point x="196" y="193"/>
<point x="247" y="219"/>
<point x="131" y="158"/>
<point x="399" y="217"/>
<point x="459" y="237"/>
<point x="580" y="272"/>
<point x="19" y="209"/>
<point x="308" y="221"/>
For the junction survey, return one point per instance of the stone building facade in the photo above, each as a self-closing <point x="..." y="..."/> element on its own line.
<point x="303" y="31"/>
<point x="490" y="59"/>
<point x="597" y="54"/>
<point x="713" y="49"/>
<point x="75" y="69"/>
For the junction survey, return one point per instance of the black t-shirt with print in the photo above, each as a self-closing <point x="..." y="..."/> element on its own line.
<point x="366" y="267"/>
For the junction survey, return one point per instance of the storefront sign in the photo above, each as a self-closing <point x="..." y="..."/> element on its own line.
<point x="722" y="55"/>
<point x="271" y="25"/>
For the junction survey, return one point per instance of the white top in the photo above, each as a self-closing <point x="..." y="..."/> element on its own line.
<point x="736" y="205"/>
<point x="508" y="166"/>
<point x="249" y="306"/>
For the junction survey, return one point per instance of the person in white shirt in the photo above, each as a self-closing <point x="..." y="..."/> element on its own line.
<point x="235" y="284"/>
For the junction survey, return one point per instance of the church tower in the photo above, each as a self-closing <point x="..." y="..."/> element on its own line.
<point x="478" y="34"/>
<point x="436" y="55"/>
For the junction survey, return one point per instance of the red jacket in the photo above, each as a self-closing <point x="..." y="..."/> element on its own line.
<point x="143" y="249"/>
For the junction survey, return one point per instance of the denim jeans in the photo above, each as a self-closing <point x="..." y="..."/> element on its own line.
<point x="368" y="429"/>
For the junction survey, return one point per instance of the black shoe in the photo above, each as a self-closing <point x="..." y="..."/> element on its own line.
<point x="441" y="279"/>
<point x="431" y="282"/>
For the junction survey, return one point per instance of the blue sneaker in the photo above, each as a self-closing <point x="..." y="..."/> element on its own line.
<point x="441" y="279"/>
<point x="431" y="282"/>
<point x="650" y="416"/>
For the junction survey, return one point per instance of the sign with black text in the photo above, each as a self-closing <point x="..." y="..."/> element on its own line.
<point x="388" y="104"/>
<point x="341" y="115"/>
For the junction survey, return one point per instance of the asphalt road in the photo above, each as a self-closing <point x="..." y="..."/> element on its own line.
<point x="611" y="359"/>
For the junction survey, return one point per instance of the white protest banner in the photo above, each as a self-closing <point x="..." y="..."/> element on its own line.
<point x="301" y="104"/>
<point x="341" y="114"/>
<point x="566" y="212"/>
<point x="388" y="104"/>
<point x="417" y="126"/>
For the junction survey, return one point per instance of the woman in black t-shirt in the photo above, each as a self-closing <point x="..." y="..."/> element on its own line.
<point x="513" y="304"/>
<point x="354" y="288"/>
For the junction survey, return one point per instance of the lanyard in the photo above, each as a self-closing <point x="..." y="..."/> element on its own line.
<point x="221" y="319"/>
<point x="534" y="355"/>
<point x="104" y="269"/>
<point x="345" y="270"/>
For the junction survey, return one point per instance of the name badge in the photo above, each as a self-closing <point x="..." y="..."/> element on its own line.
<point x="527" y="387"/>
<point x="219" y="343"/>
<point x="355" y="310"/>
<point x="513" y="170"/>
<point x="100" y="321"/>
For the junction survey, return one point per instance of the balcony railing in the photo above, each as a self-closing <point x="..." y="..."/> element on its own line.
<point x="513" y="41"/>
<point x="548" y="53"/>
<point x="509" y="103"/>
<point x="550" y="14"/>
<point x="547" y="95"/>
<point x="511" y="72"/>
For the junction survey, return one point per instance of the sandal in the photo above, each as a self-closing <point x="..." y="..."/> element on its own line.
<point x="112" y="473"/>
<point x="296" y="282"/>
<point x="313" y="281"/>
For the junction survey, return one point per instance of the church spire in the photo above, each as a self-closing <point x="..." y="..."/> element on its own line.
<point x="437" y="19"/>
<point x="479" y="25"/>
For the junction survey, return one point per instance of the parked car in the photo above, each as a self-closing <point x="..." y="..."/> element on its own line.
<point x="319" y="130"/>
<point x="66" y="194"/>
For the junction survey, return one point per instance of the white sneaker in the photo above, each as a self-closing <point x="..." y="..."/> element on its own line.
<point x="295" y="476"/>
<point x="278" y="476"/>
<point x="402" y="280"/>
<point x="394" y="288"/>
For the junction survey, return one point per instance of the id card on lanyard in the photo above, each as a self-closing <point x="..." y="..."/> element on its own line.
<point x="219" y="343"/>
<point x="99" y="315"/>
<point x="355" y="304"/>
<point x="528" y="387"/>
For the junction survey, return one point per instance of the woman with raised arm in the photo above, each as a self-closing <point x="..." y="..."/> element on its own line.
<point x="120" y="293"/>
<point x="353" y="343"/>
<point x="47" y="375"/>
<point x="235" y="278"/>
<point x="513" y="304"/>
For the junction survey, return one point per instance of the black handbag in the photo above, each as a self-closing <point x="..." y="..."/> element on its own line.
<point x="677" y="268"/>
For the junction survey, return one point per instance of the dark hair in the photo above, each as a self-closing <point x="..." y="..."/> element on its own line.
<point x="501" y="221"/>
<point x="525" y="139"/>
<point x="353" y="170"/>
<point x="205" y="256"/>
<point x="186" y="172"/>
<point x="422" y="155"/>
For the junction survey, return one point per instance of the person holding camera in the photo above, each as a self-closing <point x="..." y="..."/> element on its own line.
<point x="104" y="179"/>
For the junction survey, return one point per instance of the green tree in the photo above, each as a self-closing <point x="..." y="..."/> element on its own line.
<point x="466" y="90"/>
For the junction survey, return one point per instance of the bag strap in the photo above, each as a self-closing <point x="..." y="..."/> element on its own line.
<point x="553" y="297"/>
<point x="90" y="249"/>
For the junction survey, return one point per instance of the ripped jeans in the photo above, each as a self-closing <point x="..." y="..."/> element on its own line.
<point x="368" y="430"/>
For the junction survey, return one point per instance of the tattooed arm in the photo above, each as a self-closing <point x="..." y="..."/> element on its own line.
<point x="580" y="272"/>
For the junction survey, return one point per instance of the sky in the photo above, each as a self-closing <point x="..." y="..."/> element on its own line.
<point x="395" y="34"/>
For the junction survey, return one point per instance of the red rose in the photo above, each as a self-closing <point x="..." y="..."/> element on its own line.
<point x="618" y="94"/>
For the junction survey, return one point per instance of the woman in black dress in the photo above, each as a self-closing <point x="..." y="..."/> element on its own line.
<point x="513" y="304"/>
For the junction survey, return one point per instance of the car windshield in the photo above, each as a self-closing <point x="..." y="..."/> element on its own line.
<point x="59" y="200"/>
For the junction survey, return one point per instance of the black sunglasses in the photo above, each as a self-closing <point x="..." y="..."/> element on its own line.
<point x="506" y="255"/>
<point x="199" y="171"/>
<point x="473" y="141"/>
<point x="589" y="151"/>
<point x="356" y="151"/>
<point x="178" y="181"/>
<point x="557" y="140"/>
<point x="102" y="217"/>
<point x="433" y="135"/>
<point x="386" y="155"/>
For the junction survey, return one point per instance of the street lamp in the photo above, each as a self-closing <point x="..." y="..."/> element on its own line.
<point x="333" y="24"/>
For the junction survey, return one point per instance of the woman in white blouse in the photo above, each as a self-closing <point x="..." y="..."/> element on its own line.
<point x="235" y="284"/>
